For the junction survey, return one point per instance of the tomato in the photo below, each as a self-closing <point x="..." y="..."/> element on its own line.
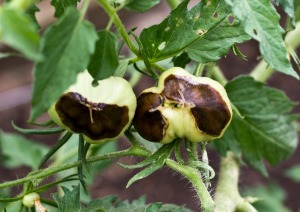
<point x="182" y="106"/>
<point x="101" y="113"/>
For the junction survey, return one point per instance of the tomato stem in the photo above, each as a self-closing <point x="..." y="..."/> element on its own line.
<point x="227" y="196"/>
<point x="194" y="176"/>
<point x="117" y="21"/>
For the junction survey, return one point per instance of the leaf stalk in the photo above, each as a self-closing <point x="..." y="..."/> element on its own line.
<point x="117" y="21"/>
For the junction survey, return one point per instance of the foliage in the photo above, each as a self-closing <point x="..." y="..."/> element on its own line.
<point x="294" y="173"/>
<point x="21" y="154"/>
<point x="263" y="128"/>
<point x="269" y="198"/>
<point x="110" y="203"/>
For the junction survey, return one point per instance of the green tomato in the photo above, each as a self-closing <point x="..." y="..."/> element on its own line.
<point x="30" y="199"/>
<point x="101" y="113"/>
<point x="182" y="106"/>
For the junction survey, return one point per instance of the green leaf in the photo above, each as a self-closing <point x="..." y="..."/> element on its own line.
<point x="152" y="146"/>
<point x="288" y="7"/>
<point x="158" y="161"/>
<point x="203" y="27"/>
<point x="68" y="154"/>
<point x="17" y="151"/>
<point x="114" y="204"/>
<point x="261" y="22"/>
<point x="270" y="198"/>
<point x="154" y="207"/>
<point x="4" y="193"/>
<point x="181" y="60"/>
<point x="266" y="131"/>
<point x="62" y="5"/>
<point x="19" y="31"/>
<point x="173" y="208"/>
<point x="103" y="204"/>
<point x="111" y="203"/>
<point x="104" y="61"/>
<point x="152" y="158"/>
<point x="294" y="173"/>
<point x="67" y="46"/>
<point x="218" y="41"/>
<point x="297" y="10"/>
<point x="141" y="5"/>
<point x="70" y="201"/>
<point x="31" y="12"/>
<point x="122" y="68"/>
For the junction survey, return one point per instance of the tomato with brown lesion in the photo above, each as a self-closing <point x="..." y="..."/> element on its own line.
<point x="182" y="106"/>
<point x="101" y="113"/>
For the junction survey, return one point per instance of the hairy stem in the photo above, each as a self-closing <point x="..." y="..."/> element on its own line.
<point x="194" y="176"/>
<point x="262" y="72"/>
<point x="117" y="21"/>
<point x="42" y="173"/>
<point x="227" y="196"/>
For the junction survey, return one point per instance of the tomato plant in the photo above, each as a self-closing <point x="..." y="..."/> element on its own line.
<point x="85" y="81"/>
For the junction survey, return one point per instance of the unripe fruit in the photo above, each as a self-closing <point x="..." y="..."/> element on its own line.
<point x="30" y="199"/>
<point x="182" y="106"/>
<point x="100" y="113"/>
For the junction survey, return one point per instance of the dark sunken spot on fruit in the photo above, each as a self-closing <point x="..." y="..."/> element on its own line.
<point x="209" y="109"/>
<point x="147" y="121"/>
<point x="108" y="119"/>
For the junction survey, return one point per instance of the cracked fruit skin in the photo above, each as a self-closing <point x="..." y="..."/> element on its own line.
<point x="182" y="106"/>
<point x="100" y="113"/>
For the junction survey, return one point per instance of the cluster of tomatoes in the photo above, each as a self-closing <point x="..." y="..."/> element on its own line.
<point x="181" y="106"/>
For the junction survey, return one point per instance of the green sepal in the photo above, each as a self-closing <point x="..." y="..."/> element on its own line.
<point x="43" y="131"/>
<point x="122" y="68"/>
<point x="59" y="144"/>
<point x="203" y="167"/>
<point x="152" y="158"/>
<point x="157" y="164"/>
<point x="43" y="124"/>
<point x="238" y="53"/>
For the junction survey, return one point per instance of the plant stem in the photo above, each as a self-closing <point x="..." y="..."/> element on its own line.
<point x="199" y="70"/>
<point x="135" y="151"/>
<point x="292" y="39"/>
<point x="217" y="74"/>
<point x="158" y="67"/>
<point x="262" y="72"/>
<point x="205" y="160"/>
<point x="227" y="196"/>
<point x="109" y="25"/>
<point x="173" y="3"/>
<point x="117" y="21"/>
<point x="85" y="7"/>
<point x="194" y="176"/>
